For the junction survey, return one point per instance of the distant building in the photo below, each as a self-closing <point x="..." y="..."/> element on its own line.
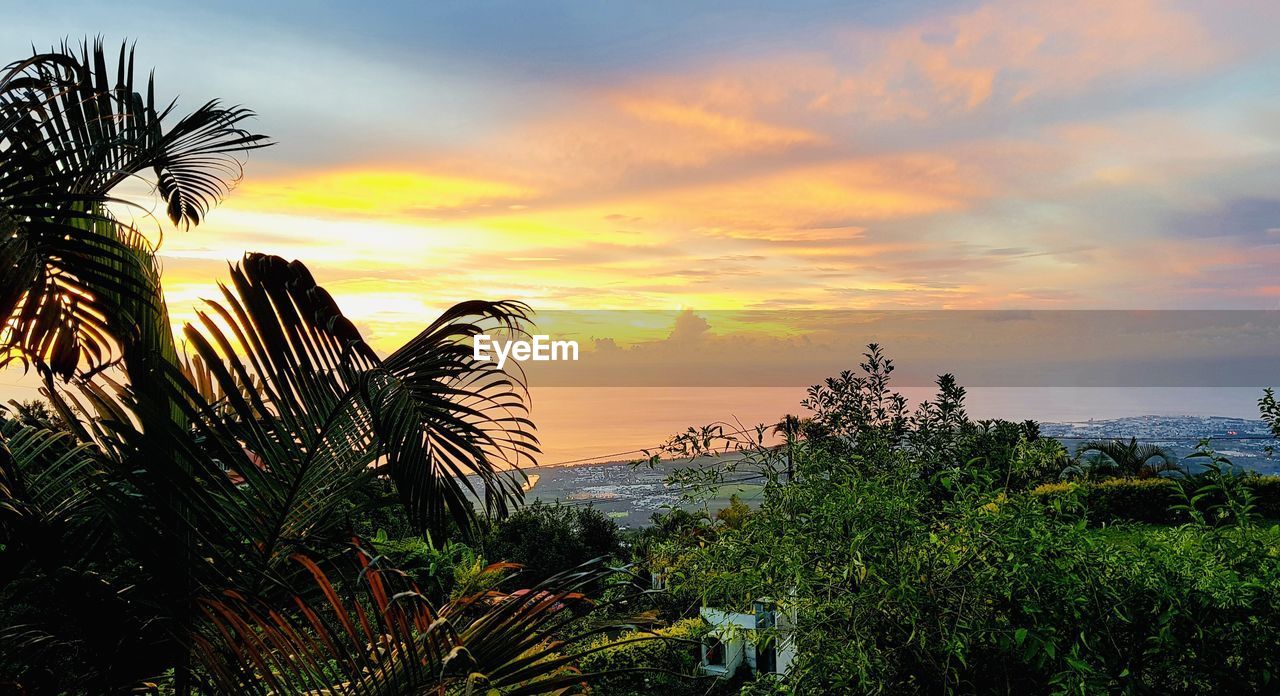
<point x="764" y="640"/>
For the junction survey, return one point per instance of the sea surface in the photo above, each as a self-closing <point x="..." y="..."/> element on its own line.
<point x="584" y="424"/>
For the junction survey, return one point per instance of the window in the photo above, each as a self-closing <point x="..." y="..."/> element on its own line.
<point x="714" y="653"/>
<point x="766" y="611"/>
<point x="767" y="660"/>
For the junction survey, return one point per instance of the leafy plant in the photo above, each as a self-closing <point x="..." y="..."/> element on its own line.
<point x="390" y="639"/>
<point x="81" y="285"/>
<point x="1220" y="495"/>
<point x="661" y="660"/>
<point x="1100" y="459"/>
<point x="860" y="409"/>
<point x="546" y="539"/>
<point x="909" y="578"/>
<point x="205" y="474"/>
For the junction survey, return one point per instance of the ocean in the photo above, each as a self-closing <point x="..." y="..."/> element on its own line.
<point x="577" y="424"/>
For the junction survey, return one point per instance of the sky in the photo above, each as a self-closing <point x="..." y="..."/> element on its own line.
<point x="1035" y="154"/>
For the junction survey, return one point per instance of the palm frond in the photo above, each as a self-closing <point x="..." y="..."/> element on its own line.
<point x="224" y="494"/>
<point x="1126" y="458"/>
<point x="390" y="640"/>
<point x="47" y="473"/>
<point x="465" y="418"/>
<point x="47" y="508"/>
<point x="79" y="283"/>
<point x="89" y="128"/>
<point x="60" y="319"/>
<point x="429" y="416"/>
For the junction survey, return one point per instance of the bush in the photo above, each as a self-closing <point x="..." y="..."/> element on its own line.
<point x="548" y="539"/>
<point x="1266" y="496"/>
<point x="735" y="514"/>
<point x="909" y="573"/>
<point x="454" y="569"/>
<point x="997" y="594"/>
<point x="677" y="652"/>
<point x="1014" y="453"/>
<point x="1149" y="500"/>
<point x="1055" y="490"/>
<point x="1134" y="500"/>
<point x="1117" y="500"/>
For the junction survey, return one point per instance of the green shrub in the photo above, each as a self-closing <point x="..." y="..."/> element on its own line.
<point x="1134" y="500"/>
<point x="998" y="594"/>
<point x="548" y="539"/>
<point x="436" y="571"/>
<point x="1058" y="492"/>
<point x="1266" y="496"/>
<point x="1116" y="500"/>
<point x="735" y="514"/>
<point x="908" y="574"/>
<point x="676" y="654"/>
<point x="1147" y="500"/>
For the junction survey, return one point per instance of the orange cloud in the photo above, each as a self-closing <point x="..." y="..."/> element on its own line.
<point x="869" y="168"/>
<point x="1000" y="53"/>
<point x="734" y="133"/>
<point x="825" y="201"/>
<point x="789" y="110"/>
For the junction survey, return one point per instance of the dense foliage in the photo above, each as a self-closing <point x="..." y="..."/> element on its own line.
<point x="669" y="664"/>
<point x="177" y="522"/>
<point x="545" y="539"/>
<point x="924" y="553"/>
<point x="1116" y="500"/>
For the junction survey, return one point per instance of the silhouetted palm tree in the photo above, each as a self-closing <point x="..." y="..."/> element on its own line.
<point x="206" y="474"/>
<point x="81" y="287"/>
<point x="390" y="640"/>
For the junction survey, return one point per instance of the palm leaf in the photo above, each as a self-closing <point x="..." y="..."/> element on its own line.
<point x="46" y="472"/>
<point x="47" y="483"/>
<point x="223" y="495"/>
<point x="71" y="131"/>
<point x="390" y="640"/>
<point x="429" y="416"/>
<point x="1127" y="458"/>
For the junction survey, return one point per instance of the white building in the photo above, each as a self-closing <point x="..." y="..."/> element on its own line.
<point x="764" y="640"/>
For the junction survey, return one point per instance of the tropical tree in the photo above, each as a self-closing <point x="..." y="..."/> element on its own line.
<point x="182" y="477"/>
<point x="1120" y="458"/>
<point x="860" y="408"/>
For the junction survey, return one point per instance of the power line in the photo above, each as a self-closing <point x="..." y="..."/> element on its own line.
<point x="720" y="434"/>
<point x="591" y="459"/>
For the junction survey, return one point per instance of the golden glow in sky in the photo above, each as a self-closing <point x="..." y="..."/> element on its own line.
<point x="1105" y="153"/>
<point x="1025" y="154"/>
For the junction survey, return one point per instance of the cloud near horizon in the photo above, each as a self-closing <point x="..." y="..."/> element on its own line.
<point x="985" y="348"/>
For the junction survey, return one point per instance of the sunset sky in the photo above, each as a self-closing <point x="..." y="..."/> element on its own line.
<point x="586" y="155"/>
<point x="596" y="155"/>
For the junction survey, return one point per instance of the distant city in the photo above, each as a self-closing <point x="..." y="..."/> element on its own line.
<point x="1243" y="441"/>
